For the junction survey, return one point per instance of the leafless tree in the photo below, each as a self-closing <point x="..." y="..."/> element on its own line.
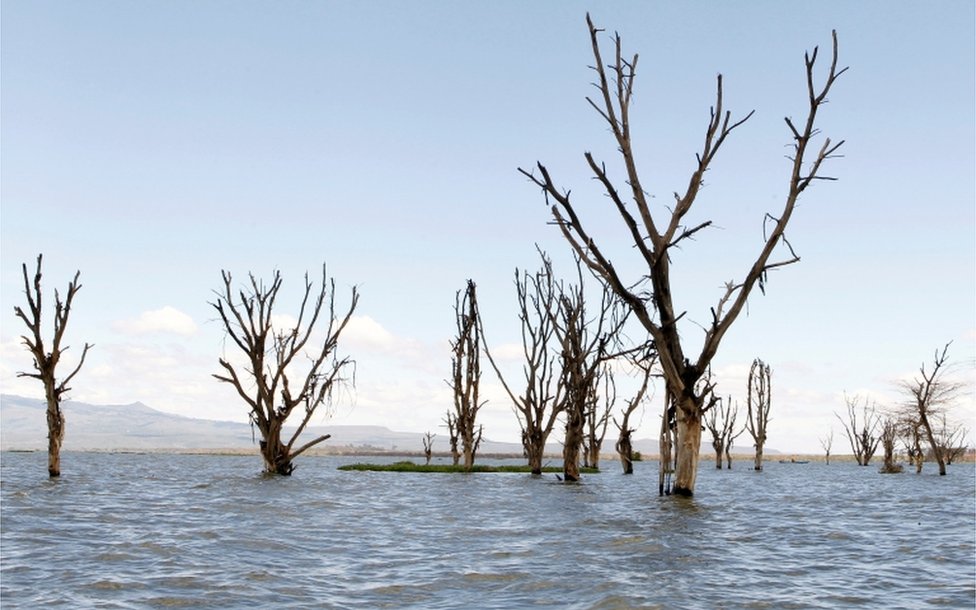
<point x="930" y="393"/>
<point x="603" y="397"/>
<point x="952" y="439"/>
<point x="540" y="403"/>
<point x="46" y="361"/>
<point x="654" y="231"/>
<point x="759" y="399"/>
<point x="283" y="371"/>
<point x="584" y="347"/>
<point x="720" y="420"/>
<point x="466" y="372"/>
<point x="863" y="437"/>
<point x="428" y="441"/>
<point x="827" y="442"/>
<point x="644" y="364"/>
<point x="889" y="433"/>
<point x="450" y="422"/>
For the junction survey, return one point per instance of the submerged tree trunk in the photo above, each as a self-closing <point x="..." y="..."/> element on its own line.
<point x="689" y="445"/>
<point x="55" y="433"/>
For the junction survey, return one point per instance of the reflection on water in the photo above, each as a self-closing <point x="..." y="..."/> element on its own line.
<point x="162" y="531"/>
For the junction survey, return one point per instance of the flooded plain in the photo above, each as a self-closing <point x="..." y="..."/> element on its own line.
<point x="171" y="531"/>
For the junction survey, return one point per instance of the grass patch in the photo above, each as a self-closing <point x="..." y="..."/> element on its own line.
<point x="412" y="467"/>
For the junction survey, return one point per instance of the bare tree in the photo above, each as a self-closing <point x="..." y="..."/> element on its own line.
<point x="283" y="371"/>
<point x="450" y="422"/>
<point x="930" y="394"/>
<point x="46" y="361"/>
<point x="466" y="372"/>
<point x="759" y="399"/>
<point x="603" y="397"/>
<point x="889" y="433"/>
<point x="584" y="347"/>
<point x="428" y="446"/>
<point x="540" y="403"/>
<point x="952" y="439"/>
<point x="654" y="231"/>
<point x="827" y="442"/>
<point x="624" y="446"/>
<point x="720" y="420"/>
<point x="863" y="437"/>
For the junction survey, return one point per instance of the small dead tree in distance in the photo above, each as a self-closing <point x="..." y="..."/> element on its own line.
<point x="929" y="394"/>
<point x="46" y="362"/>
<point x="450" y="422"/>
<point x="720" y="421"/>
<point x="466" y="372"/>
<point x="540" y="403"/>
<point x="598" y="415"/>
<point x="624" y="446"/>
<point x="758" y="402"/>
<point x="654" y="232"/>
<point x="827" y="442"/>
<point x="889" y="433"/>
<point x="428" y="446"/>
<point x="863" y="437"/>
<point x="274" y="357"/>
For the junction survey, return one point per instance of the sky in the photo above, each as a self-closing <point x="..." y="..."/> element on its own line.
<point x="151" y="145"/>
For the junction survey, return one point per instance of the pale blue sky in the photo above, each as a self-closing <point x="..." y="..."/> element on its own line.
<point x="152" y="144"/>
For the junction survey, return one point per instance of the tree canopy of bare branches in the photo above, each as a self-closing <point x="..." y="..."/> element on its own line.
<point x="466" y="372"/>
<point x="863" y="436"/>
<point x="654" y="230"/>
<point x="827" y="442"/>
<point x="930" y="393"/>
<point x="539" y="404"/>
<point x="758" y="402"/>
<point x="283" y="371"/>
<point x="720" y="421"/>
<point x="46" y="360"/>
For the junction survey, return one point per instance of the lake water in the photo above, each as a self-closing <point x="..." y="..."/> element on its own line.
<point x="169" y="531"/>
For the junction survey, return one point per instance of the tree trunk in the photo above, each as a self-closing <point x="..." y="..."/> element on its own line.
<point x="719" y="447"/>
<point x="626" y="451"/>
<point x="468" y="455"/>
<point x="937" y="452"/>
<point x="689" y="445"/>
<point x="55" y="433"/>
<point x="275" y="453"/>
<point x="571" y="446"/>
<point x="759" y="458"/>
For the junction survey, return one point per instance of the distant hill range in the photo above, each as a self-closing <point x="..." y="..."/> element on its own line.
<point x="138" y="427"/>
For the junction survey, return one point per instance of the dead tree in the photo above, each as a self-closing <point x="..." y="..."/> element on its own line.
<point x="428" y="446"/>
<point x="584" y="347"/>
<point x="720" y="420"/>
<point x="466" y="373"/>
<point x="450" y="422"/>
<point x="282" y="370"/>
<point x="889" y="433"/>
<point x="952" y="440"/>
<point x="931" y="393"/>
<point x="827" y="442"/>
<point x="863" y="437"/>
<point x="624" y="446"/>
<point x="758" y="401"/>
<point x="539" y="404"/>
<point x="603" y="397"/>
<point x="46" y="361"/>
<point x="654" y="230"/>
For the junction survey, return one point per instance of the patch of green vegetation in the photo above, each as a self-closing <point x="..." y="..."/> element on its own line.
<point x="407" y="466"/>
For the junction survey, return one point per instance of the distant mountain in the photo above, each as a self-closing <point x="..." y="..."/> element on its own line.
<point x="139" y="427"/>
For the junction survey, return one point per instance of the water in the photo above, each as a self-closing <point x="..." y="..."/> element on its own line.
<point x="169" y="531"/>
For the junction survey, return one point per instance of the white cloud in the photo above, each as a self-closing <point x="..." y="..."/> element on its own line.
<point x="364" y="331"/>
<point x="165" y="320"/>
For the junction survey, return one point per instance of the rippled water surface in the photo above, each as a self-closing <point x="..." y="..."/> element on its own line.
<point x="164" y="531"/>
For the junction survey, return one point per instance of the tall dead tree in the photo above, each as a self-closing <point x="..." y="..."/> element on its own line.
<point x="46" y="361"/>
<point x="282" y="370"/>
<point x="758" y="401"/>
<point x="930" y="393"/>
<point x="466" y="372"/>
<point x="644" y="363"/>
<point x="863" y="437"/>
<point x="450" y="422"/>
<point x="654" y="230"/>
<point x="540" y="402"/>
<point x="584" y="347"/>
<point x="827" y="442"/>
